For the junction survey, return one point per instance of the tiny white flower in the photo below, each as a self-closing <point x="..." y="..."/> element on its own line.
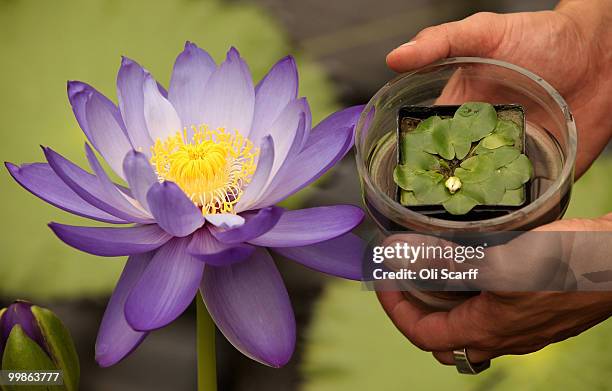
<point x="453" y="184"/>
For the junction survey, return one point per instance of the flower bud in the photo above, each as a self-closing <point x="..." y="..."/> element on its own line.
<point x="453" y="184"/>
<point x="33" y="338"/>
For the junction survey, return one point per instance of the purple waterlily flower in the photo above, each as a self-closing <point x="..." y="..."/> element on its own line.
<point x="205" y="164"/>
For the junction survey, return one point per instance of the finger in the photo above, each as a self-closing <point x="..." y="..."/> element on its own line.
<point x="437" y="331"/>
<point x="456" y="329"/>
<point x="477" y="35"/>
<point x="475" y="356"/>
<point x="389" y="300"/>
<point x="402" y="312"/>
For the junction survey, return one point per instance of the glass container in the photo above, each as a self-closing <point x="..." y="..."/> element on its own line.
<point x="550" y="141"/>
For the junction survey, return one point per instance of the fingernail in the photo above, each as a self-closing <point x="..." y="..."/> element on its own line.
<point x="408" y="44"/>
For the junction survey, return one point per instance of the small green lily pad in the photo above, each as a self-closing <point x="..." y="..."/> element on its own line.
<point x="508" y="129"/>
<point x="517" y="173"/>
<point x="403" y="175"/>
<point x="418" y="141"/>
<point x="418" y="181"/>
<point x="459" y="204"/>
<point x="420" y="160"/>
<point x="433" y="195"/>
<point x="494" y="141"/>
<point x="476" y="119"/>
<point x="441" y="140"/>
<point x="514" y="197"/>
<point x="407" y="198"/>
<point x="427" y="125"/>
<point x="503" y="156"/>
<point x="488" y="192"/>
<point x="475" y="169"/>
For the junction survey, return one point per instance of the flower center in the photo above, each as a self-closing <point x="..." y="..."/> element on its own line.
<point x="212" y="168"/>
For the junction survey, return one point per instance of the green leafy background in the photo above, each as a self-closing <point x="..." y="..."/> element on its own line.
<point x="46" y="43"/>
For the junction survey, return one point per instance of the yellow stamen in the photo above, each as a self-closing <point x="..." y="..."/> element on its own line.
<point x="212" y="168"/>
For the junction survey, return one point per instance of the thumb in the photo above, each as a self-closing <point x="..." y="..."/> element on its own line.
<point x="477" y="35"/>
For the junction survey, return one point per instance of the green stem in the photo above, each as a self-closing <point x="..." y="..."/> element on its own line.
<point x="207" y="366"/>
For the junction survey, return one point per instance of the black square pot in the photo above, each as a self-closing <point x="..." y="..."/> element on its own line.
<point x="416" y="114"/>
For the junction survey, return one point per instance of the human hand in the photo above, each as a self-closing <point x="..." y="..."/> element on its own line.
<point x="570" y="47"/>
<point x="494" y="323"/>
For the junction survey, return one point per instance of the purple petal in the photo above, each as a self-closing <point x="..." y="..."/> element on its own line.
<point x="260" y="177"/>
<point x="118" y="198"/>
<point x="166" y="288"/>
<point x="303" y="135"/>
<point x="130" y="80"/>
<point x="319" y="136"/>
<point x="272" y="94"/>
<point x="139" y="175"/>
<point x="285" y="131"/>
<point x="338" y="120"/>
<point x="101" y="122"/>
<point x="173" y="211"/>
<point x="229" y="97"/>
<point x="160" y="116"/>
<point x="116" y="339"/>
<point x="40" y="180"/>
<point x="207" y="249"/>
<point x="19" y="313"/>
<point x="87" y="186"/>
<point x="275" y="180"/>
<point x="256" y="225"/>
<point x="225" y="220"/>
<point x="249" y="303"/>
<point x="79" y="93"/>
<point x="341" y="257"/>
<point x="308" y="166"/>
<point x="192" y="70"/>
<point x="112" y="242"/>
<point x="308" y="226"/>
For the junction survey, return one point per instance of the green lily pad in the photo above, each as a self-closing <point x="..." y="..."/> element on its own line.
<point x="459" y="204"/>
<point x="503" y="156"/>
<point x="427" y="125"/>
<point x="416" y="180"/>
<point x="488" y="192"/>
<point x="460" y="139"/>
<point x="420" y="160"/>
<point x="433" y="195"/>
<point x="513" y="197"/>
<point x="517" y="173"/>
<point x="476" y="169"/>
<point x="418" y="141"/>
<point x="407" y="198"/>
<point x="441" y="140"/>
<point x="475" y="119"/>
<point x="508" y="129"/>
<point x="403" y="176"/>
<point x="505" y="133"/>
<point x="494" y="141"/>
